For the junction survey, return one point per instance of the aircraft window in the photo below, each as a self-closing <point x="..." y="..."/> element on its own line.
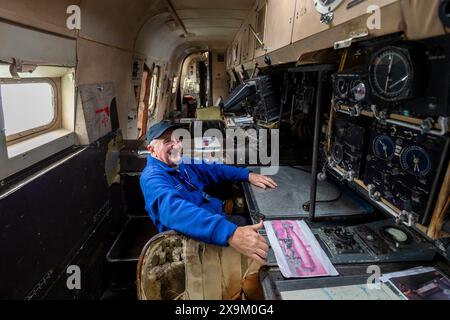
<point x="154" y="91"/>
<point x="175" y="84"/>
<point x="28" y="107"/>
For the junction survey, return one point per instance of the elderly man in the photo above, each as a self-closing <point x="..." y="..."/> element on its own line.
<point x="175" y="197"/>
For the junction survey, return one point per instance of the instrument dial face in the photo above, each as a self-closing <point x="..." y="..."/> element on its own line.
<point x="338" y="153"/>
<point x="384" y="147"/>
<point x="359" y="90"/>
<point x="326" y="6"/>
<point x="342" y="88"/>
<point x="396" y="235"/>
<point x="416" y="160"/>
<point x="391" y="74"/>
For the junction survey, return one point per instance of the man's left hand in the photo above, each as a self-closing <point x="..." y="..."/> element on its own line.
<point x="261" y="181"/>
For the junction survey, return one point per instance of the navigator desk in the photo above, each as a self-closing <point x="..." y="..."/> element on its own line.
<point x="336" y="207"/>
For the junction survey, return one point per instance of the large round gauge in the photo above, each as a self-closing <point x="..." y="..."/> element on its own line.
<point x="342" y="88"/>
<point x="391" y="74"/>
<point x="416" y="160"/>
<point x="326" y="6"/>
<point x="337" y="153"/>
<point x="384" y="147"/>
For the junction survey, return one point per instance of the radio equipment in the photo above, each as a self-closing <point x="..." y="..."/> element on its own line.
<point x="349" y="144"/>
<point x="403" y="167"/>
<point x="381" y="241"/>
<point x="406" y="78"/>
<point x="351" y="93"/>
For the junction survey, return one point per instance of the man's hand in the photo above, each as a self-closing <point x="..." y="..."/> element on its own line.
<point x="261" y="181"/>
<point x="250" y="243"/>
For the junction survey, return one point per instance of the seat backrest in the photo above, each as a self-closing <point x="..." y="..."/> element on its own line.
<point x="174" y="267"/>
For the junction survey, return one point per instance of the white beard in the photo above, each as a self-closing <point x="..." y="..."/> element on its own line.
<point x="176" y="155"/>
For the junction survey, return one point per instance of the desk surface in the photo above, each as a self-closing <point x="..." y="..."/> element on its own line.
<point x="294" y="184"/>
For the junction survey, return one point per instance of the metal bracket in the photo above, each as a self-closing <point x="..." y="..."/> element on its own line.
<point x="419" y="128"/>
<point x="379" y="115"/>
<point x="327" y="18"/>
<point x="15" y="67"/>
<point x="344" y="175"/>
<point x="261" y="42"/>
<point x="373" y="195"/>
<point x="350" y="176"/>
<point x="407" y="218"/>
<point x="443" y="122"/>
<point x="255" y="70"/>
<point x="346" y="43"/>
<point x="354" y="111"/>
<point x="426" y="125"/>
<point x="331" y="162"/>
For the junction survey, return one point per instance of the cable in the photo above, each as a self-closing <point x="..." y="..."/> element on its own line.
<point x="307" y="205"/>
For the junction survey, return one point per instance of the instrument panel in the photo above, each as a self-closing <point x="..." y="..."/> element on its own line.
<point x="403" y="167"/>
<point x="398" y="164"/>
<point x="401" y="89"/>
<point x="381" y="241"/>
<point x="351" y="90"/>
<point x="349" y="146"/>
<point x="405" y="78"/>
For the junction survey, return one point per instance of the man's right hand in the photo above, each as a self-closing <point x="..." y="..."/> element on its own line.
<point x="250" y="243"/>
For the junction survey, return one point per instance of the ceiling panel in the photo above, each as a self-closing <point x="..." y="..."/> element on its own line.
<point x="213" y="20"/>
<point x="208" y="23"/>
<point x="212" y="13"/>
<point x="215" y="31"/>
<point x="213" y="4"/>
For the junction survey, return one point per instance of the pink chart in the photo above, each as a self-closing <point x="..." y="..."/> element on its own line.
<point x="297" y="251"/>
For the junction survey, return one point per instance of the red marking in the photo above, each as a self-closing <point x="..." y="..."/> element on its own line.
<point x="105" y="119"/>
<point x="105" y="110"/>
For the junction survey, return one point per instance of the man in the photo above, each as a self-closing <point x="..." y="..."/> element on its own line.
<point x="175" y="199"/>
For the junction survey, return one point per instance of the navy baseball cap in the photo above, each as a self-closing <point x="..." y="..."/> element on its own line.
<point x="158" y="129"/>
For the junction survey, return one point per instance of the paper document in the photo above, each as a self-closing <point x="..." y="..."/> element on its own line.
<point x="420" y="284"/>
<point x="352" y="292"/>
<point x="297" y="251"/>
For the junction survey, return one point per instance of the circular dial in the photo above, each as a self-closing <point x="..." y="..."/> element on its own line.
<point x="391" y="74"/>
<point x="326" y="6"/>
<point x="342" y="88"/>
<point x="359" y="90"/>
<point x="337" y="153"/>
<point x="383" y="147"/>
<point x="396" y="235"/>
<point x="416" y="160"/>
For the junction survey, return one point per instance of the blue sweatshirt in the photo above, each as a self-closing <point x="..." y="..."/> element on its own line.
<point x="175" y="199"/>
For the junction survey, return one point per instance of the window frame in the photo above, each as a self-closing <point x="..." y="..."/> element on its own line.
<point x="56" y="121"/>
<point x="154" y="91"/>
